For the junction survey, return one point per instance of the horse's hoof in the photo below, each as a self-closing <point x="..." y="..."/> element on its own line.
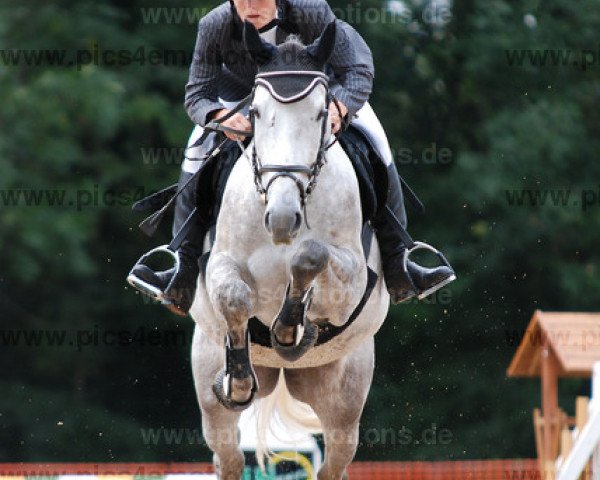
<point x="224" y="397"/>
<point x="293" y="352"/>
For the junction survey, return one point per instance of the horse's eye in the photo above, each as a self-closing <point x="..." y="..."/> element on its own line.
<point x="255" y="111"/>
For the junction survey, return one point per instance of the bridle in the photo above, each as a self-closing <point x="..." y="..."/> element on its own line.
<point x="291" y="171"/>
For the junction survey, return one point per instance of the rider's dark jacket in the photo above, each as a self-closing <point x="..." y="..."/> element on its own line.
<point x="223" y="68"/>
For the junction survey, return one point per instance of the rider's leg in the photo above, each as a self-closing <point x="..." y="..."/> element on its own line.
<point x="416" y="280"/>
<point x="182" y="290"/>
<point x="183" y="282"/>
<point x="402" y="284"/>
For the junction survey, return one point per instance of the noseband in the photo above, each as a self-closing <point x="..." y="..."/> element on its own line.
<point x="290" y="171"/>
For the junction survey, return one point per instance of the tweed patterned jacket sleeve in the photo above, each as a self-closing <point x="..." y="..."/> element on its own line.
<point x="351" y="61"/>
<point x="201" y="91"/>
<point x="221" y="67"/>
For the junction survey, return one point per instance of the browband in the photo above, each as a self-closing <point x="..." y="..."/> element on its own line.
<point x="317" y="78"/>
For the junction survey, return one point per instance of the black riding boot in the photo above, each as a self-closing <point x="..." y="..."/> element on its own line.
<point x="415" y="280"/>
<point x="181" y="284"/>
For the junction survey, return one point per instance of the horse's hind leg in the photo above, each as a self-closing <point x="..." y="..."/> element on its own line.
<point x="233" y="300"/>
<point x="219" y="424"/>
<point x="337" y="393"/>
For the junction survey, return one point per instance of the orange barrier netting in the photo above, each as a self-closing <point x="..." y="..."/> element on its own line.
<point x="454" y="470"/>
<point x="518" y="469"/>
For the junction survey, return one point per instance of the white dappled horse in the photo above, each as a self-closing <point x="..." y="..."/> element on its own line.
<point x="300" y="283"/>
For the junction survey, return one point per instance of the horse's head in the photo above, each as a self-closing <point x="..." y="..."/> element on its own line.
<point x="289" y="113"/>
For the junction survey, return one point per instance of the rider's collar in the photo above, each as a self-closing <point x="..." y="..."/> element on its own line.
<point x="272" y="24"/>
<point x="281" y="20"/>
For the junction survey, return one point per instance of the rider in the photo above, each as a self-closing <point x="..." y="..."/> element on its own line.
<point x="222" y="71"/>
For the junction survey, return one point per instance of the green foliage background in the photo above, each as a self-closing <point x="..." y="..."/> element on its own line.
<point x="440" y="364"/>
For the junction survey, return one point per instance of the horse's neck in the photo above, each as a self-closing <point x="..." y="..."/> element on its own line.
<point x="333" y="209"/>
<point x="337" y="177"/>
<point x="242" y="211"/>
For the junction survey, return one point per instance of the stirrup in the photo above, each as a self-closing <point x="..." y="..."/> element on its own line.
<point x="144" y="286"/>
<point x="421" y="294"/>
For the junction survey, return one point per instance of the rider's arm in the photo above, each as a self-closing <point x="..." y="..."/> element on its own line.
<point x="352" y="61"/>
<point x="352" y="64"/>
<point x="201" y="98"/>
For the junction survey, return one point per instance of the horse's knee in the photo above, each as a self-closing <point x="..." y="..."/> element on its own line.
<point x="233" y="300"/>
<point x="229" y="294"/>
<point x="310" y="259"/>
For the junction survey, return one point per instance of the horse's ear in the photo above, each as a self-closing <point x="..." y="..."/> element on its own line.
<point x="262" y="52"/>
<point x="322" y="48"/>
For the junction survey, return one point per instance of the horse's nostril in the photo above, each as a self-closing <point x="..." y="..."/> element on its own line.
<point x="268" y="221"/>
<point x="298" y="223"/>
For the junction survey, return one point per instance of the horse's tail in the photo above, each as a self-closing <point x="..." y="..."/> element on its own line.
<point x="292" y="414"/>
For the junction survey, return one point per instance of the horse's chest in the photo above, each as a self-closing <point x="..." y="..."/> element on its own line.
<point x="268" y="268"/>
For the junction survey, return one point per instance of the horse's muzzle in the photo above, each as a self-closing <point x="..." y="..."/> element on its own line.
<point x="283" y="226"/>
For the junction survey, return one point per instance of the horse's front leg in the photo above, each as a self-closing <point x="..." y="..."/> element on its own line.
<point x="219" y="424"/>
<point x="325" y="279"/>
<point x="233" y="300"/>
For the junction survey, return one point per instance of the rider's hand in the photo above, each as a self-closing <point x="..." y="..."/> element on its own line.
<point x="334" y="116"/>
<point x="237" y="121"/>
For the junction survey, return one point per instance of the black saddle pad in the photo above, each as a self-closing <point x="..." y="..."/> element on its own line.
<point x="371" y="172"/>
<point x="212" y="180"/>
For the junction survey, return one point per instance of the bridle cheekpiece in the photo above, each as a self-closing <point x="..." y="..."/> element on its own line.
<point x="312" y="172"/>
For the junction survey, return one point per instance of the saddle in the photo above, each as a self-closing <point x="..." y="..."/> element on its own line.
<point x="371" y="172"/>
